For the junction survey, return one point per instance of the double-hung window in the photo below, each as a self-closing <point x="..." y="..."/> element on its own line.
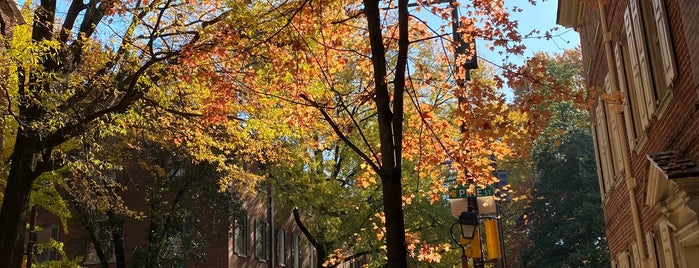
<point x="261" y="241"/>
<point x="241" y="239"/>
<point x="646" y="64"/>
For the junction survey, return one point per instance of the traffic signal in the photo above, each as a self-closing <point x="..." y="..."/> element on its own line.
<point x="472" y="247"/>
<point x="492" y="239"/>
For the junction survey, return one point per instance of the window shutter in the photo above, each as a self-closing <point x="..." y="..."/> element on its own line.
<point x="613" y="132"/>
<point x="639" y="37"/>
<point x="636" y="69"/>
<point x="628" y="117"/>
<point x="665" y="42"/>
<point x="650" y="244"/>
<point x="604" y="147"/>
<point x="635" y="256"/>
<point x="667" y="243"/>
<point x="623" y="259"/>
<point x="600" y="177"/>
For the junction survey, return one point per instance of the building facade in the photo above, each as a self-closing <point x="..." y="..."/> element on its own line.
<point x="643" y="57"/>
<point x="261" y="238"/>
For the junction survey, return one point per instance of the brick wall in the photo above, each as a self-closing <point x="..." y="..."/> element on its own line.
<point x="677" y="128"/>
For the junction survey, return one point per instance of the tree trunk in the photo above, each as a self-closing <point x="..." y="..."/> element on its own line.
<point x="118" y="243"/>
<point x="321" y="252"/>
<point x="395" y="224"/>
<point x="13" y="214"/>
<point x="390" y="127"/>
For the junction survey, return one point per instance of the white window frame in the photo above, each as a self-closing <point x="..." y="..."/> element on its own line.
<point x="261" y="240"/>
<point x="281" y="247"/>
<point x="241" y="239"/>
<point x="665" y="42"/>
<point x="613" y="131"/>
<point x="295" y="252"/>
<point x="639" y="62"/>
<point x="604" y="148"/>
<point x="667" y="241"/>
<point x="634" y="130"/>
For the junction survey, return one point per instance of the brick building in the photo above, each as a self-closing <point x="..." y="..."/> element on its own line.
<point x="647" y="143"/>
<point x="254" y="242"/>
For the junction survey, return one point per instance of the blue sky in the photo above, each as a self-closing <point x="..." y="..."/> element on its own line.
<point x="542" y="17"/>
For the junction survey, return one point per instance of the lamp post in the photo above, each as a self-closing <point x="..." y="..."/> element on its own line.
<point x="469" y="224"/>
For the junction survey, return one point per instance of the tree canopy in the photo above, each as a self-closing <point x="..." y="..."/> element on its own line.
<point x="256" y="81"/>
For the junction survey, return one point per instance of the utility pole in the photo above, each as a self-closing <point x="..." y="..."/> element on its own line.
<point x="270" y="215"/>
<point x="460" y="48"/>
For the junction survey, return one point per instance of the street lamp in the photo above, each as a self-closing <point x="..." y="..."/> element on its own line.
<point x="468" y="222"/>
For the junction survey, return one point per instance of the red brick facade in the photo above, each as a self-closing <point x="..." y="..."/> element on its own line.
<point x="220" y="241"/>
<point x="673" y="126"/>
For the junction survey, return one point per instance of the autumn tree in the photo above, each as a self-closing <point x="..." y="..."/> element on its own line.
<point x="337" y="204"/>
<point x="565" y="221"/>
<point x="70" y="72"/>
<point x="149" y="178"/>
<point x="554" y="198"/>
<point x="329" y="66"/>
<point x="307" y="65"/>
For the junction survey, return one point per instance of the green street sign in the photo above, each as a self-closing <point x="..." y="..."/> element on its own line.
<point x="461" y="191"/>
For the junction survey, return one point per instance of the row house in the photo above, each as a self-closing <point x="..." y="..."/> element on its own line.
<point x="645" y="55"/>
<point x="262" y="238"/>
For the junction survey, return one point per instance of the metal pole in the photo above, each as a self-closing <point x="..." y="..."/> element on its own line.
<point x="500" y="229"/>
<point x="464" y="259"/>
<point x="32" y="237"/>
<point x="473" y="202"/>
<point x="270" y="215"/>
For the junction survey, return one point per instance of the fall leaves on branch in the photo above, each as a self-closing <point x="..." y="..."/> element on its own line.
<point x="267" y="82"/>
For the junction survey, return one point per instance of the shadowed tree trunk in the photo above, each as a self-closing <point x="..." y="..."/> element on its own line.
<point x="390" y="120"/>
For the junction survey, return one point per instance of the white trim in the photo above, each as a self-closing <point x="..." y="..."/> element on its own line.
<point x="666" y="50"/>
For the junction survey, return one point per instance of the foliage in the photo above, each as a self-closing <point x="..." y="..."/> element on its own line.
<point x="149" y="178"/>
<point x="565" y="219"/>
<point x="553" y="215"/>
<point x="251" y="80"/>
<point x="63" y="262"/>
<point x="63" y="83"/>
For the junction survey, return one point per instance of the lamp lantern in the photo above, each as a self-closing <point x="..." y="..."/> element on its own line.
<point x="468" y="221"/>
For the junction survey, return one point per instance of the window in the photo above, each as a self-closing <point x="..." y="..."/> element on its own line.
<point x="281" y="247"/>
<point x="659" y="47"/>
<point x="295" y="254"/>
<point x="261" y="241"/>
<point x="651" y="56"/>
<point x="639" y="59"/>
<point x="311" y="256"/>
<point x="623" y="260"/>
<point x="633" y="109"/>
<point x="667" y="244"/>
<point x="44" y="236"/>
<point x="106" y="246"/>
<point x="652" y="246"/>
<point x="617" y="166"/>
<point x="241" y="239"/>
<point x="603" y="147"/>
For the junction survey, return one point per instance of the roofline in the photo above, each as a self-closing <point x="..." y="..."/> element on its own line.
<point x="569" y="13"/>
